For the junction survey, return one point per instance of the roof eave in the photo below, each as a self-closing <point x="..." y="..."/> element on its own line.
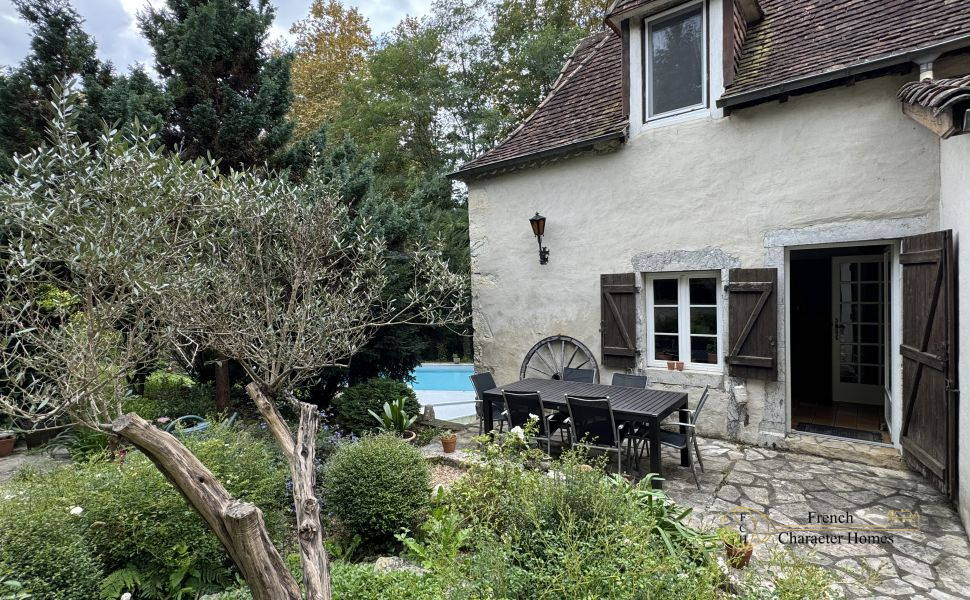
<point x="770" y="92"/>
<point x="475" y="172"/>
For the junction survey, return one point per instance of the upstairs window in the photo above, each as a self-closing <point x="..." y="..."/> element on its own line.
<point x="675" y="62"/>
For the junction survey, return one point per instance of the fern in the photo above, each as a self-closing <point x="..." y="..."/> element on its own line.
<point x="127" y="579"/>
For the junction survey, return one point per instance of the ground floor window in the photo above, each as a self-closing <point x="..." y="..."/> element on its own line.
<point x="683" y="319"/>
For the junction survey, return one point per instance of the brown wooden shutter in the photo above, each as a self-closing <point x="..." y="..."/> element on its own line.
<point x="929" y="428"/>
<point x="618" y="304"/>
<point x="753" y="324"/>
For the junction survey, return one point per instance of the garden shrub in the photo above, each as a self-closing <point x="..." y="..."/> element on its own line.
<point x="376" y="486"/>
<point x="42" y="546"/>
<point x="172" y="395"/>
<point x="352" y="404"/>
<point x="146" y="537"/>
<point x="362" y="582"/>
<point x="575" y="534"/>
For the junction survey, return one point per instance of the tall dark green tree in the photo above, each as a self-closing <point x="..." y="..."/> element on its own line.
<point x="230" y="96"/>
<point x="60" y="49"/>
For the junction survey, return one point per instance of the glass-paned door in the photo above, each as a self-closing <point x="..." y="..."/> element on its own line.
<point x="859" y="310"/>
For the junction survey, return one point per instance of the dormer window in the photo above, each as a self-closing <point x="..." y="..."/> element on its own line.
<point x="675" y="69"/>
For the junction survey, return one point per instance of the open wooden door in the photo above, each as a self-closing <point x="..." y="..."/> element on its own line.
<point x="929" y="426"/>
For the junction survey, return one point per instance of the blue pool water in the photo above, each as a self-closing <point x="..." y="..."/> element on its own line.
<point x="443" y="377"/>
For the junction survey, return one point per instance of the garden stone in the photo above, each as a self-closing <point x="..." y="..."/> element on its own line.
<point x="912" y="566"/>
<point x="385" y="564"/>
<point x="729" y="493"/>
<point x="954" y="573"/>
<point x="917" y="581"/>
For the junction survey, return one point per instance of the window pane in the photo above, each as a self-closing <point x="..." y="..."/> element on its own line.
<point x="703" y="320"/>
<point x="665" y="347"/>
<point x="703" y="291"/>
<point x="665" y="291"/>
<point x="676" y="61"/>
<point x="665" y="320"/>
<point x="703" y="350"/>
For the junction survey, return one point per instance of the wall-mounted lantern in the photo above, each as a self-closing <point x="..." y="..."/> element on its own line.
<point x="538" y="223"/>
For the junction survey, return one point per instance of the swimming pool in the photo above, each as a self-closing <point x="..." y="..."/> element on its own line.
<point x="443" y="377"/>
<point x="447" y="387"/>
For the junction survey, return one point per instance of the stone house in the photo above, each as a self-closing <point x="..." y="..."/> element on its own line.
<point x="766" y="194"/>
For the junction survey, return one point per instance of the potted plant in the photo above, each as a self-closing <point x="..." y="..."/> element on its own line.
<point x="8" y="439"/>
<point x="737" y="547"/>
<point x="449" y="440"/>
<point x="680" y="365"/>
<point x="396" y="420"/>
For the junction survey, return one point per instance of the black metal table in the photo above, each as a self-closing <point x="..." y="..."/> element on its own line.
<point x="629" y="404"/>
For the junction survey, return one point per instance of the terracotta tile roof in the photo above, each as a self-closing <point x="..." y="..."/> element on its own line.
<point x="937" y="95"/>
<point x="584" y="106"/>
<point x="801" y="38"/>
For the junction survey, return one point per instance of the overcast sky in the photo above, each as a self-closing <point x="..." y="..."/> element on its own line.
<point x="113" y="25"/>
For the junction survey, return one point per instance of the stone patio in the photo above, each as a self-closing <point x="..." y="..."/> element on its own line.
<point x="933" y="562"/>
<point x="9" y="465"/>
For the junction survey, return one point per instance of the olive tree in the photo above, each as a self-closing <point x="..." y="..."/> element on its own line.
<point x="148" y="253"/>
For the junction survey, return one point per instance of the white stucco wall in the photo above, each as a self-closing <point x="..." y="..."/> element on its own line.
<point x="838" y="165"/>
<point x="955" y="214"/>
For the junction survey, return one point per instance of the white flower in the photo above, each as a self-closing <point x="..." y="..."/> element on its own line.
<point x="533" y="417"/>
<point x="517" y="432"/>
<point x="126" y="596"/>
<point x="76" y="510"/>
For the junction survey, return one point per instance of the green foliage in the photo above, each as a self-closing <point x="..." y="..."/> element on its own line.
<point x="790" y="575"/>
<point x="395" y="419"/>
<point x="442" y="538"/>
<point x="575" y="534"/>
<point x="362" y="582"/>
<point x="172" y="395"/>
<point x="353" y="407"/>
<point x="229" y="97"/>
<point x="133" y="531"/>
<point x="11" y="589"/>
<point x="42" y="545"/>
<point x="376" y="487"/>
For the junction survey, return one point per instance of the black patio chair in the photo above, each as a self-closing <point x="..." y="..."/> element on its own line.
<point x="631" y="381"/>
<point x="522" y="406"/>
<point x="594" y="426"/>
<point x="579" y="375"/>
<point x="681" y="441"/>
<point x="482" y="382"/>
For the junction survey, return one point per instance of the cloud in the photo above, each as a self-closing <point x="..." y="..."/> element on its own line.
<point x="114" y="26"/>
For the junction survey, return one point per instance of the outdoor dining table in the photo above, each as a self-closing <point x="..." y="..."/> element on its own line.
<point x="629" y="404"/>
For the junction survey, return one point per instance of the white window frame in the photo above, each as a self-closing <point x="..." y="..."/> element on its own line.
<point x="683" y="318"/>
<point x="646" y="53"/>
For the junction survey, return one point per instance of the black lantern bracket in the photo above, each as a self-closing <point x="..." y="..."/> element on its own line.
<point x="538" y="223"/>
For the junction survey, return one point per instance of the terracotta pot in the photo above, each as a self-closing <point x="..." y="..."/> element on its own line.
<point x="738" y="556"/>
<point x="7" y="442"/>
<point x="448" y="444"/>
<point x="671" y="365"/>
<point x="409" y="436"/>
<point x="680" y="365"/>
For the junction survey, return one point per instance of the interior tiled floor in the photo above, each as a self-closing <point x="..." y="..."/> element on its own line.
<point x="840" y="414"/>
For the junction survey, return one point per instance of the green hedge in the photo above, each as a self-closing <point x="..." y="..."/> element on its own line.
<point x="172" y="395"/>
<point x="352" y="404"/>
<point x="376" y="486"/>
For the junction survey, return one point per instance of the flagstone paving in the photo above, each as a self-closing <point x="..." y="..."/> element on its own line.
<point x="932" y="562"/>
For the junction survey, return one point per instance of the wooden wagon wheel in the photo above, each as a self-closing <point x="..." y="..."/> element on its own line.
<point x="550" y="356"/>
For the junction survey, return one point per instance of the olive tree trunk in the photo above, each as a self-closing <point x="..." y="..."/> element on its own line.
<point x="238" y="525"/>
<point x="300" y="457"/>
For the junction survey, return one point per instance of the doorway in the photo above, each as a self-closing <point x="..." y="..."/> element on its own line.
<point x="840" y="341"/>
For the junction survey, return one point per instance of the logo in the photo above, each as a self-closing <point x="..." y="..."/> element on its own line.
<point x="835" y="528"/>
